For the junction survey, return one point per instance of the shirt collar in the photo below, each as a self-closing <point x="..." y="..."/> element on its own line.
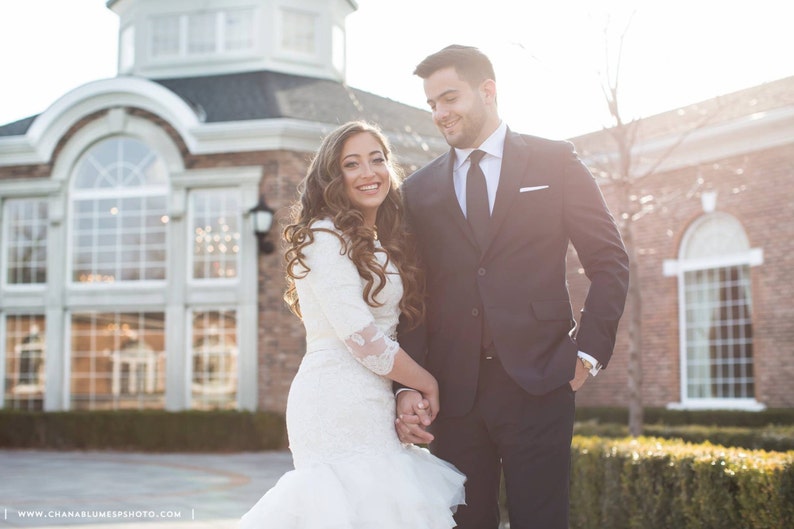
<point x="493" y="145"/>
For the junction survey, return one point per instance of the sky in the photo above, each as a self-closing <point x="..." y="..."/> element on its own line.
<point x="550" y="56"/>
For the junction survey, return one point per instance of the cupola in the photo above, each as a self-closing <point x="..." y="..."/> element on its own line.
<point x="161" y="39"/>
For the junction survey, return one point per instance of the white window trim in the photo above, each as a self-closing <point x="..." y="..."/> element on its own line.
<point x="717" y="404"/>
<point x="188" y="351"/>
<point x="21" y="288"/>
<point x="214" y="295"/>
<point x="3" y="361"/>
<point x="222" y="33"/>
<point x="66" y="389"/>
<point x="150" y="35"/>
<point x="678" y="268"/>
<point x="245" y="179"/>
<point x="219" y="51"/>
<point x="294" y="55"/>
<point x="127" y="47"/>
<point x="198" y="283"/>
<point x="66" y="371"/>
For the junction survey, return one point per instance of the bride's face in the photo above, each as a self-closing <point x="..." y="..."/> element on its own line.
<point x="365" y="170"/>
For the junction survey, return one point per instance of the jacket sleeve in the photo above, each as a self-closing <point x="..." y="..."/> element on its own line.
<point x="595" y="236"/>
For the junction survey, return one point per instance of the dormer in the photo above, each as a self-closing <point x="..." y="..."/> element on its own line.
<point x="160" y="39"/>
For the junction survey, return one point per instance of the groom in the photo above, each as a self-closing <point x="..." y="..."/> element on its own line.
<point x="499" y="329"/>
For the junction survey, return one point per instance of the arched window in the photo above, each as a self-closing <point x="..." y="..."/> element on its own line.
<point x="119" y="214"/>
<point x="715" y="298"/>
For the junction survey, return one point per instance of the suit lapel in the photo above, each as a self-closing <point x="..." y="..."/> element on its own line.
<point x="515" y="158"/>
<point x="445" y="192"/>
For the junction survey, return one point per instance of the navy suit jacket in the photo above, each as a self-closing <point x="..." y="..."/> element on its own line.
<point x="546" y="198"/>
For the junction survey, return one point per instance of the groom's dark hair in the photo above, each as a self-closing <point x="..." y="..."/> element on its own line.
<point x="472" y="65"/>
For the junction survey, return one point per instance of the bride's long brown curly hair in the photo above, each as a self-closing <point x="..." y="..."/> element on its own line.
<point x="322" y="195"/>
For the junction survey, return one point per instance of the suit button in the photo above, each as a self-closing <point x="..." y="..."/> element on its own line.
<point x="481" y="272"/>
<point x="475" y="312"/>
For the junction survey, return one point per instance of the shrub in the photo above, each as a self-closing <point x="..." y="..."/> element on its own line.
<point x="149" y="430"/>
<point x="743" y="419"/>
<point x="772" y="438"/>
<point x="650" y="483"/>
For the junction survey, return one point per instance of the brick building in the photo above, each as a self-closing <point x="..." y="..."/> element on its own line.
<point x="132" y="277"/>
<point x="712" y="204"/>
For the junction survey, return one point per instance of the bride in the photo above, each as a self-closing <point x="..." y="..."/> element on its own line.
<point x="349" y="280"/>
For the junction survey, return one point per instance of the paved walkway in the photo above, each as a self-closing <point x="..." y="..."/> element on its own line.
<point x="120" y="490"/>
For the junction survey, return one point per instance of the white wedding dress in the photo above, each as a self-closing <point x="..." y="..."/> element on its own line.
<point x="351" y="471"/>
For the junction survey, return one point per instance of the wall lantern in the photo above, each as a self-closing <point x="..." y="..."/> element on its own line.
<point x="263" y="221"/>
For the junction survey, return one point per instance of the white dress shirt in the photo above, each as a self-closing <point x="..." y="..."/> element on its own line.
<point x="491" y="165"/>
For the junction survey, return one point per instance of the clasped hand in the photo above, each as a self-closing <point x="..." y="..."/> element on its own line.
<point x="415" y="412"/>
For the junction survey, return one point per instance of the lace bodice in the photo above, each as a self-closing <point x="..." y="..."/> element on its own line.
<point x="333" y="306"/>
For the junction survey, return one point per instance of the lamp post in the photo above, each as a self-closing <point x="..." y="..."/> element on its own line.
<point x="263" y="221"/>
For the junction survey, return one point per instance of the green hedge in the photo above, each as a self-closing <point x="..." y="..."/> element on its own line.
<point x="774" y="438"/>
<point x="742" y="419"/>
<point x="649" y="483"/>
<point x="158" y="431"/>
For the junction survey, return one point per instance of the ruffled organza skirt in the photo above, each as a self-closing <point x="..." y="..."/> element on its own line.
<point x="351" y="471"/>
<point x="410" y="489"/>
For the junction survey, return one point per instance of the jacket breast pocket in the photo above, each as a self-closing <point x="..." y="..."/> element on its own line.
<point x="542" y="204"/>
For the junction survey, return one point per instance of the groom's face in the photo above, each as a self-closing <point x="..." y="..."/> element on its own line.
<point x="461" y="112"/>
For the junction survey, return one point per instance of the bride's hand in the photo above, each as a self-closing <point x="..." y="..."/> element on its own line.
<point x="409" y="425"/>
<point x="430" y="405"/>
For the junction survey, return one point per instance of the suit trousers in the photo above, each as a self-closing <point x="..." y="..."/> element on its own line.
<point x="508" y="430"/>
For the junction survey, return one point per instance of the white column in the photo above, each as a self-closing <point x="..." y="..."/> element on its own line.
<point x="57" y="365"/>
<point x="177" y="389"/>
<point x="247" y="311"/>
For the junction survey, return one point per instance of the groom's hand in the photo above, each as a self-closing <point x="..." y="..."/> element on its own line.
<point x="580" y="376"/>
<point x="413" y="417"/>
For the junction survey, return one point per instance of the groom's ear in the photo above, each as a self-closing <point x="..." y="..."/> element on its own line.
<point x="488" y="91"/>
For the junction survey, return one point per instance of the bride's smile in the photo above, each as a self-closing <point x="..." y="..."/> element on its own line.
<point x="366" y="173"/>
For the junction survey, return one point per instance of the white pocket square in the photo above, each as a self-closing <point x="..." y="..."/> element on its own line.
<point x="532" y="188"/>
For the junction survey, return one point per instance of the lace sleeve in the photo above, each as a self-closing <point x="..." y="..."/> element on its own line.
<point x="373" y="349"/>
<point x="337" y="288"/>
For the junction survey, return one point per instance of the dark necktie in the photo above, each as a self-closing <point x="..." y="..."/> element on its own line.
<point x="478" y="212"/>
